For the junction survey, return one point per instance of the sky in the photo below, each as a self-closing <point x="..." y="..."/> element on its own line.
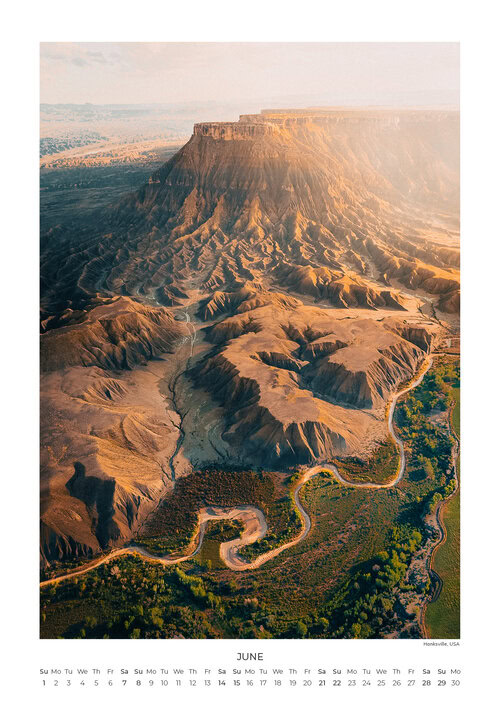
<point x="298" y="74"/>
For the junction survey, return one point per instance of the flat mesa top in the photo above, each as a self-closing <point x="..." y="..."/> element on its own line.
<point x="268" y="120"/>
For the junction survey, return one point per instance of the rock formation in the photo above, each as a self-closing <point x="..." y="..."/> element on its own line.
<point x="294" y="383"/>
<point x="314" y="252"/>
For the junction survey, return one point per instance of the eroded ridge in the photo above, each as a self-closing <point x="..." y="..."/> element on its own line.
<point x="253" y="518"/>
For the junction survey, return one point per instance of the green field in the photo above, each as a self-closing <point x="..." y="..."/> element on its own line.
<point x="443" y="616"/>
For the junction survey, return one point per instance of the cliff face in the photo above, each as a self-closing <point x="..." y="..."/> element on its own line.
<point x="312" y="250"/>
<point x="312" y="159"/>
<point x="370" y="200"/>
<point x="234" y="130"/>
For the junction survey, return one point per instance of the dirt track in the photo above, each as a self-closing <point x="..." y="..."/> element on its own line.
<point x="252" y="517"/>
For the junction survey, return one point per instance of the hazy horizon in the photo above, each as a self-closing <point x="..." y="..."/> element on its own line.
<point x="272" y="74"/>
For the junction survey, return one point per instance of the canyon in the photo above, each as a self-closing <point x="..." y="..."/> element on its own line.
<point x="258" y="301"/>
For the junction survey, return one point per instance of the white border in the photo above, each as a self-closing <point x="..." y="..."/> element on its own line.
<point x="255" y="21"/>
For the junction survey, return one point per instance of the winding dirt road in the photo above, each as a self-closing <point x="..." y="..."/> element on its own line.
<point x="255" y="527"/>
<point x="252" y="517"/>
<point x="402" y="458"/>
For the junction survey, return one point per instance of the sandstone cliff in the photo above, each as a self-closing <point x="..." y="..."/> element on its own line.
<point x="317" y="255"/>
<point x="346" y="205"/>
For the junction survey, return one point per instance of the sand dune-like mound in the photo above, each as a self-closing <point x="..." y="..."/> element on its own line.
<point x="342" y="290"/>
<point x="294" y="384"/>
<point x="242" y="299"/>
<point x="119" y="334"/>
<point x="106" y="441"/>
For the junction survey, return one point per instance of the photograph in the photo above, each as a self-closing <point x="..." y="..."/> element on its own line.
<point x="249" y="337"/>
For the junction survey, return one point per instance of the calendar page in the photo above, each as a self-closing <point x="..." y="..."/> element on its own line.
<point x="250" y="367"/>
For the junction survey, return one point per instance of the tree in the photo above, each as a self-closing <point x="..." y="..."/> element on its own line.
<point x="301" y="629"/>
<point x="356" y="630"/>
<point x="91" y="621"/>
<point x="323" y="623"/>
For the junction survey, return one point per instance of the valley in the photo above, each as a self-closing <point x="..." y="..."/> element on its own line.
<point x="241" y="334"/>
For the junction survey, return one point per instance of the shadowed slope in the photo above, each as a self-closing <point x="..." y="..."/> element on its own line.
<point x="313" y="248"/>
<point x="357" y="198"/>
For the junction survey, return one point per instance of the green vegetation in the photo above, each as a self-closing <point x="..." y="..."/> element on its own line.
<point x="173" y="525"/>
<point x="224" y="530"/>
<point x="196" y="602"/>
<point x="349" y="579"/>
<point x="380" y="467"/>
<point x="287" y="523"/>
<point x="57" y="568"/>
<point x="427" y="440"/>
<point x="442" y="617"/>
<point x="455" y="416"/>
<point x="266" y="490"/>
<point x="174" y="603"/>
<point x="367" y="606"/>
<point x="101" y="604"/>
<point x="217" y="532"/>
<point x="349" y="528"/>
